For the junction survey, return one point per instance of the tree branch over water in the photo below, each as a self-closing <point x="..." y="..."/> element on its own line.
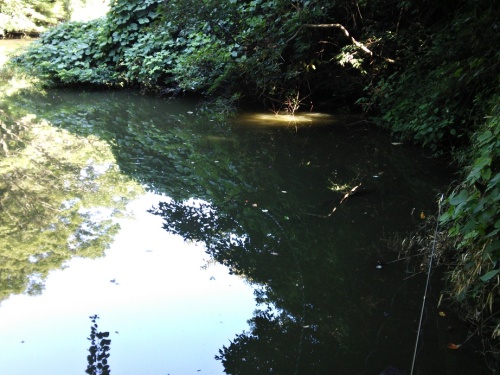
<point x="332" y="25"/>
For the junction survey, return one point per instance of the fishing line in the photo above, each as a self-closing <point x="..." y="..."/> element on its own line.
<point x="388" y="320"/>
<point x="384" y="324"/>
<point x="400" y="259"/>
<point x="302" y="291"/>
<point x="426" y="285"/>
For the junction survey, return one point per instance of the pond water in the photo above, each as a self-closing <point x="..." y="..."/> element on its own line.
<point x="208" y="246"/>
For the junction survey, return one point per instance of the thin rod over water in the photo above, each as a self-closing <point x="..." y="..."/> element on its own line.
<point x="426" y="285"/>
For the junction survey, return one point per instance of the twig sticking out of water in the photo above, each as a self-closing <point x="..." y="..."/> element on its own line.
<point x="344" y="198"/>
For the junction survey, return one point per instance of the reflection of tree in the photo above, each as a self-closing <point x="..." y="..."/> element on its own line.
<point x="278" y="344"/>
<point x="248" y="197"/>
<point x="57" y="196"/>
<point x="272" y="347"/>
<point x="303" y="319"/>
<point x="98" y="351"/>
<point x="306" y="269"/>
<point x="313" y="316"/>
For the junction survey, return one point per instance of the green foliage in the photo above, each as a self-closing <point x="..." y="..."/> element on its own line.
<point x="424" y="121"/>
<point x="125" y="23"/>
<point x="90" y="52"/>
<point x="148" y="60"/>
<point x="217" y="47"/>
<point x="438" y="94"/>
<point x="69" y="54"/>
<point x="474" y="217"/>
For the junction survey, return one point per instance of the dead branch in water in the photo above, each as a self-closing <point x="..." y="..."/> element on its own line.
<point x="344" y="198"/>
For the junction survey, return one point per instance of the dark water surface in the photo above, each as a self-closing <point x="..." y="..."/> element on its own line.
<point x="227" y="246"/>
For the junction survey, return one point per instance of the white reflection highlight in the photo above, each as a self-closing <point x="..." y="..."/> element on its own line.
<point x="172" y="312"/>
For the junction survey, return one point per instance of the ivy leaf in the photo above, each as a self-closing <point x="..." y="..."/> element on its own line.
<point x="487" y="135"/>
<point x="455" y="200"/>
<point x="489" y="275"/>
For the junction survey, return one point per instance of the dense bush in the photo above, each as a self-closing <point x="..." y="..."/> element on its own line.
<point x="438" y="91"/>
<point x="259" y="48"/>
<point x="69" y="54"/>
<point x="474" y="217"/>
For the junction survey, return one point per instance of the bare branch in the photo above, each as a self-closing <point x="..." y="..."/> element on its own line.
<point x="332" y="25"/>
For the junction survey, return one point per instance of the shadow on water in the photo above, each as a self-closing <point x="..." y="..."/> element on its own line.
<point x="273" y="204"/>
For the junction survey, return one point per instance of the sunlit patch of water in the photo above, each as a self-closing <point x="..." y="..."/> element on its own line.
<point x="299" y="119"/>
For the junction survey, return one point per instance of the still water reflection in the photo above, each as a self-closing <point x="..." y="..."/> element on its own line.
<point x="159" y="298"/>
<point x="263" y="204"/>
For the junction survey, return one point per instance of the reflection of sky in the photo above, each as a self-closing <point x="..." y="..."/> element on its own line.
<point x="171" y="315"/>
